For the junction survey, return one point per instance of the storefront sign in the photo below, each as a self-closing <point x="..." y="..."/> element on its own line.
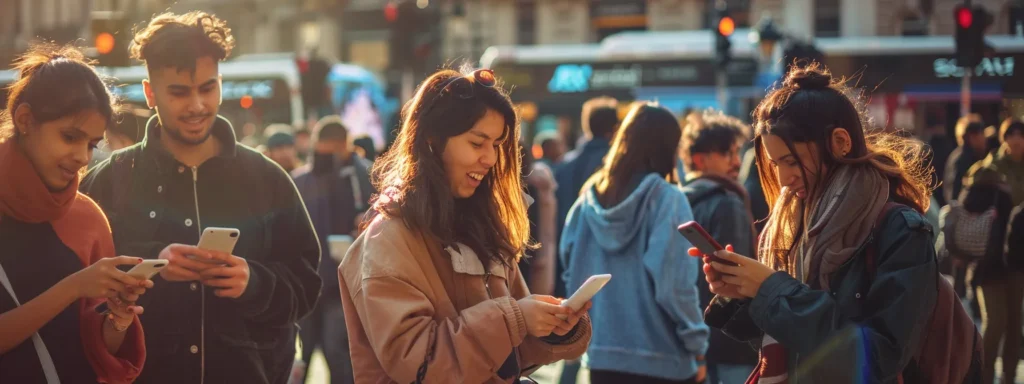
<point x="989" y="67"/>
<point x="576" y="78"/>
<point x="230" y="90"/>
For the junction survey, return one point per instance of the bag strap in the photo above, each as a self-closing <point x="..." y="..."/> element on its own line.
<point x="49" y="370"/>
<point x="872" y="252"/>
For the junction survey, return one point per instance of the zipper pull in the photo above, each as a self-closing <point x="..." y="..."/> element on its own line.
<point x="195" y="174"/>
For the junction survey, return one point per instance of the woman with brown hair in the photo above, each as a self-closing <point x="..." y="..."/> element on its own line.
<point x="647" y="320"/>
<point x="58" y="263"/>
<point x="431" y="289"/>
<point x="831" y="296"/>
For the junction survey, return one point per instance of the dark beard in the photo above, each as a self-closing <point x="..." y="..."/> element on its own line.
<point x="176" y="135"/>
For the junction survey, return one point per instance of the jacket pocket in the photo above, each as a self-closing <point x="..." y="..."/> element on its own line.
<point x="241" y="357"/>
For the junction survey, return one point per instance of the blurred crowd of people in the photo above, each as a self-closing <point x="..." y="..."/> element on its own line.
<point x="448" y="257"/>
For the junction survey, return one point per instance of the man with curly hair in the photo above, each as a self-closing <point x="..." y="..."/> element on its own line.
<point x="214" y="316"/>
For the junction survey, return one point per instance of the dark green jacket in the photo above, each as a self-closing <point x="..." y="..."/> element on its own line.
<point x="864" y="326"/>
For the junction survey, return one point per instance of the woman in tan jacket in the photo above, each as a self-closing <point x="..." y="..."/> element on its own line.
<point x="431" y="290"/>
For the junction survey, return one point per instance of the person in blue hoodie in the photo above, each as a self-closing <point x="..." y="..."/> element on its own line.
<point x="647" y="321"/>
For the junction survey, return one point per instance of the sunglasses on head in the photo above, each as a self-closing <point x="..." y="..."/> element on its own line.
<point x="462" y="87"/>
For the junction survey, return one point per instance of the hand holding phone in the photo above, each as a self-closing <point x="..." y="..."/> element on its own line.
<point x="585" y="293"/>
<point x="700" y="239"/>
<point x="147" y="269"/>
<point x="217" y="239"/>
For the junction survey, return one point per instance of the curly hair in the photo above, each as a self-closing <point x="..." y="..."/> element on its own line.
<point x="177" y="41"/>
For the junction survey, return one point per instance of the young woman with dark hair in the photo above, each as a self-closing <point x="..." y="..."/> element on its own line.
<point x="431" y="288"/>
<point x="647" y="320"/>
<point x="820" y="308"/>
<point x="58" y="261"/>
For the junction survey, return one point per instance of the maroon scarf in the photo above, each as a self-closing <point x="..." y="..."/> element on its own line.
<point x="23" y="194"/>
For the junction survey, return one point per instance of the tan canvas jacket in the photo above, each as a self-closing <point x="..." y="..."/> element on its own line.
<point x="407" y="300"/>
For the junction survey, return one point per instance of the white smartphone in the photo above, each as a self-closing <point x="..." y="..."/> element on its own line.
<point x="586" y="292"/>
<point x="339" y="245"/>
<point x="147" y="269"/>
<point x="217" y="239"/>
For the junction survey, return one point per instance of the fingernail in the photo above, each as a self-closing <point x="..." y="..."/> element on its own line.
<point x="138" y="260"/>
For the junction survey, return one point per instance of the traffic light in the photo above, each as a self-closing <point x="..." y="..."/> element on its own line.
<point x="414" y="31"/>
<point x="110" y="36"/>
<point x="313" y="79"/>
<point x="971" y="23"/>
<point x="799" y="54"/>
<point x="724" y="27"/>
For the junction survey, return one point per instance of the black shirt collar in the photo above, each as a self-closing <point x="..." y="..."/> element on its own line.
<point x="151" y="145"/>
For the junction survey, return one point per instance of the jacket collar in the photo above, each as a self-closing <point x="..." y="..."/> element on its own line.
<point x="152" y="147"/>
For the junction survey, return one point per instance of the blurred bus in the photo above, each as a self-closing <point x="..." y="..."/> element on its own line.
<point x="267" y="83"/>
<point x="910" y="80"/>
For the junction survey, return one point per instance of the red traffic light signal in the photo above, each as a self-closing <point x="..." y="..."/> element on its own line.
<point x="391" y="12"/>
<point x="964" y="17"/>
<point x="726" y="26"/>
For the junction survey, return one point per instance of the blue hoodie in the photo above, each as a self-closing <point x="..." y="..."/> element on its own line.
<point x="647" y="320"/>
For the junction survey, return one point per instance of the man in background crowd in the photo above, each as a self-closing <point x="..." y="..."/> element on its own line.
<point x="710" y="151"/>
<point x="336" y="188"/>
<point x="281" y="149"/>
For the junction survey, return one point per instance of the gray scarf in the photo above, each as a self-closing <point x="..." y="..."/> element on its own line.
<point x="841" y="220"/>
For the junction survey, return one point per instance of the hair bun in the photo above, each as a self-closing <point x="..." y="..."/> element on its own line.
<point x="810" y="78"/>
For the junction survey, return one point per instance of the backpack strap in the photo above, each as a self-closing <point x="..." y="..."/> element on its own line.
<point x="871" y="255"/>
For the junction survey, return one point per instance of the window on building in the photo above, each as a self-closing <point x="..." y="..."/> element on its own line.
<point x="913" y="25"/>
<point x="526" y="22"/>
<point x="826" y="18"/>
<point x="738" y="9"/>
<point x="1016" y="18"/>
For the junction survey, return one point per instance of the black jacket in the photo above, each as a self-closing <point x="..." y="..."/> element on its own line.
<point x="957" y="165"/>
<point x="721" y="210"/>
<point x="866" y="328"/>
<point x="153" y="200"/>
<point x="333" y="200"/>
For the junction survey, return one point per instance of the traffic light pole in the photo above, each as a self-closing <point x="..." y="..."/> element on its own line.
<point x="722" y="88"/>
<point x="965" y="92"/>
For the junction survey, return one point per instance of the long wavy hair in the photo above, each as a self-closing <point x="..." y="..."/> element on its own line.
<point x="807" y="108"/>
<point x="646" y="142"/>
<point x="414" y="187"/>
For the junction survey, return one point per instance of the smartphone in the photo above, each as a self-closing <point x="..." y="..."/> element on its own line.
<point x="217" y="239"/>
<point x="147" y="269"/>
<point x="702" y="240"/>
<point x="339" y="245"/>
<point x="585" y="292"/>
<point x="144" y="270"/>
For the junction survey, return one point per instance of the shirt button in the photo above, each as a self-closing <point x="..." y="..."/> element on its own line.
<point x="194" y="349"/>
<point x="160" y="189"/>
<point x="857" y="295"/>
<point x="194" y="286"/>
<point x="188" y="222"/>
<point x="181" y="169"/>
<point x="152" y="214"/>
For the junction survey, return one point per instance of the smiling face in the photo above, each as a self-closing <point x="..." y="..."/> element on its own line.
<point x="468" y="157"/>
<point x="59" y="149"/>
<point x="186" y="102"/>
<point x="788" y="170"/>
